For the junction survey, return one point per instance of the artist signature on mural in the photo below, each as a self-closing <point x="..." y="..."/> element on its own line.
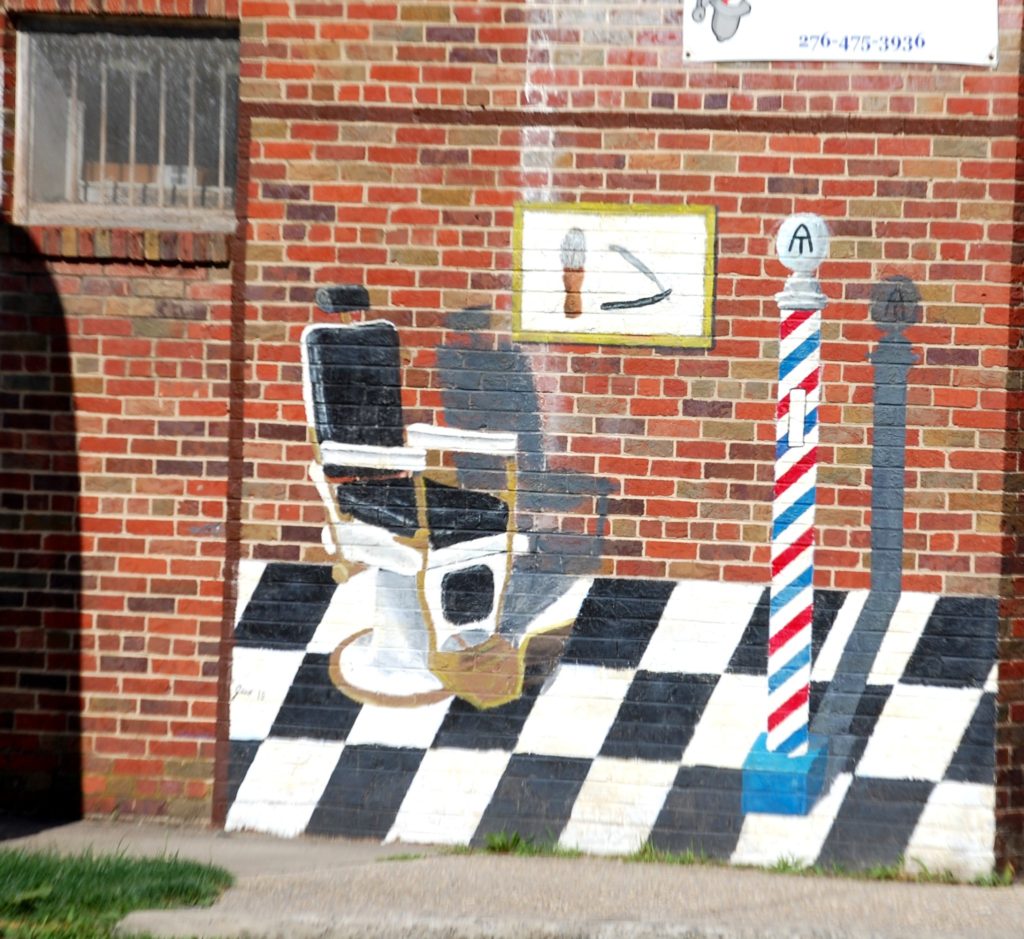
<point x="240" y="692"/>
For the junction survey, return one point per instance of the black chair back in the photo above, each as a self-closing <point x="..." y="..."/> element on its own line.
<point x="355" y="379"/>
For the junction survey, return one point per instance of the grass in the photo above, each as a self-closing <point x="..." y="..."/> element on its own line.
<point x="1003" y="878"/>
<point x="503" y="842"/>
<point x="48" y="896"/>
<point x="648" y="854"/>
<point x="900" y="871"/>
<point x="513" y="843"/>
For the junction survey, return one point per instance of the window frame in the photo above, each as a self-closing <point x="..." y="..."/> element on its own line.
<point x="25" y="212"/>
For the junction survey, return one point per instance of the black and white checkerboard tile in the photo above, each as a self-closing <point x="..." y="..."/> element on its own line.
<point x="639" y="734"/>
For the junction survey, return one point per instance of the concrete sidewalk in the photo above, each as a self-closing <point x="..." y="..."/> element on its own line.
<point x="309" y="888"/>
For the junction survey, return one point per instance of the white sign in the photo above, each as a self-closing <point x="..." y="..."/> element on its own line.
<point x="954" y="32"/>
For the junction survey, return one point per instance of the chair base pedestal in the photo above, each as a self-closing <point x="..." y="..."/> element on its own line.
<point x="396" y="662"/>
<point x="358" y="670"/>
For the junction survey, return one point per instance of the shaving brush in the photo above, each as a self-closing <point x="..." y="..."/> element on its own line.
<point x="574" y="257"/>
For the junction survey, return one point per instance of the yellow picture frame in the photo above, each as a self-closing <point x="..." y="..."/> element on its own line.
<point x="658" y="285"/>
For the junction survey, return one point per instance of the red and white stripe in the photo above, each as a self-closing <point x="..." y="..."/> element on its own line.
<point x="792" y="590"/>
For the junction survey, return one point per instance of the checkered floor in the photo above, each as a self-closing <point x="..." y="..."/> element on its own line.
<point x="639" y="734"/>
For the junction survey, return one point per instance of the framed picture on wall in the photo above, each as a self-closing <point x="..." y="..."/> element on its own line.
<point x="611" y="274"/>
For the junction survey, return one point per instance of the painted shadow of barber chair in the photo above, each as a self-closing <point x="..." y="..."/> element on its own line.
<point x="442" y="554"/>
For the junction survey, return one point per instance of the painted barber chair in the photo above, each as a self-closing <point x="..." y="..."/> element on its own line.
<point x="441" y="554"/>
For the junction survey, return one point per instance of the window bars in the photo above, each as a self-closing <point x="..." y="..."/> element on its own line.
<point x="144" y="123"/>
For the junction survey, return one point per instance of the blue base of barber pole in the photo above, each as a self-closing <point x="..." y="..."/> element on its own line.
<point x="777" y="784"/>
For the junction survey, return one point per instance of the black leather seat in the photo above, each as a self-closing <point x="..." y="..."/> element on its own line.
<point x="355" y="386"/>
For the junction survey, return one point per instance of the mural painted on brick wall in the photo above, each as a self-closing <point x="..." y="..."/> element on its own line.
<point x="439" y="685"/>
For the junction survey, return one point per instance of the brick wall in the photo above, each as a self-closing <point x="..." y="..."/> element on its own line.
<point x="914" y="173"/>
<point x="117" y="536"/>
<point x="687" y="437"/>
<point x="386" y="144"/>
<point x="115" y="376"/>
<point x="390" y="144"/>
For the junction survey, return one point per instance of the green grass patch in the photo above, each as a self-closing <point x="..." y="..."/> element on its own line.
<point x="49" y="896"/>
<point x="505" y="842"/>
<point x="915" y="872"/>
<point x="1003" y="878"/>
<point x="648" y="854"/>
<point x="920" y="874"/>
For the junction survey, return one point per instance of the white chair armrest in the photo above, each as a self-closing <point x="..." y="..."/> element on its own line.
<point x="495" y="442"/>
<point x="410" y="459"/>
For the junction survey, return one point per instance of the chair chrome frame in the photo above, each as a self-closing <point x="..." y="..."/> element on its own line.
<point x="411" y="653"/>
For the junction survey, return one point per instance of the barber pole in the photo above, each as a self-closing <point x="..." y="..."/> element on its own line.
<point x="802" y="244"/>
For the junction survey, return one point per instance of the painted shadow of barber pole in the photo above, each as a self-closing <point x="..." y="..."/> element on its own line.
<point x="895" y="306"/>
<point x="784" y="772"/>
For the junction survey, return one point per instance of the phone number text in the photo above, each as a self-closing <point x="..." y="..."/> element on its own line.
<point x="856" y="43"/>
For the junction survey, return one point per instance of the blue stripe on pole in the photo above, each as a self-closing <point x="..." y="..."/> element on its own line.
<point x="782" y="444"/>
<point x="796" y="739"/>
<point x="810" y="421"/>
<point x="787" y="518"/>
<point x="806" y="348"/>
<point x="801" y="660"/>
<point x="801" y="582"/>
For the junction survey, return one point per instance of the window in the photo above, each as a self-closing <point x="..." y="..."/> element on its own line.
<point x="128" y="126"/>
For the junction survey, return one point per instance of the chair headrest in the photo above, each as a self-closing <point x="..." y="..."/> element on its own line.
<point x="343" y="298"/>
